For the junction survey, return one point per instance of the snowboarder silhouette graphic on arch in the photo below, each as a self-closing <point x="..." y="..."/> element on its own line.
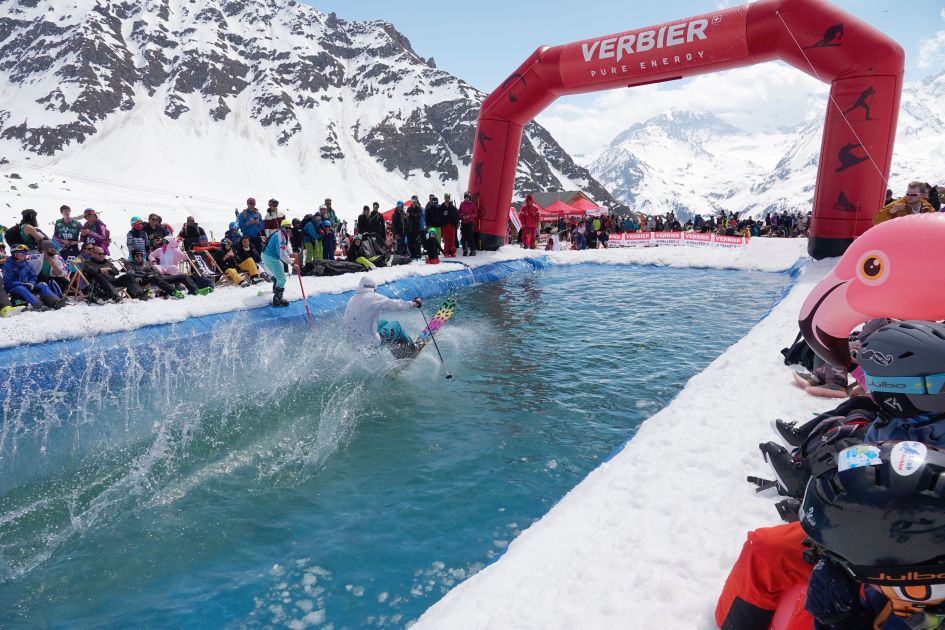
<point x="847" y="157"/>
<point x="844" y="204"/>
<point x="832" y="37"/>
<point x="479" y="173"/>
<point x="863" y="101"/>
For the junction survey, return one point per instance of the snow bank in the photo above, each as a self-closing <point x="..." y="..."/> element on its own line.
<point x="83" y="320"/>
<point x="761" y="254"/>
<point x="647" y="539"/>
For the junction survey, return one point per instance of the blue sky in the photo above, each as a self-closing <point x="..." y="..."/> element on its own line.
<point x="482" y="42"/>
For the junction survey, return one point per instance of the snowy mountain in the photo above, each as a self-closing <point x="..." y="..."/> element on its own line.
<point x="186" y="107"/>
<point x="695" y="162"/>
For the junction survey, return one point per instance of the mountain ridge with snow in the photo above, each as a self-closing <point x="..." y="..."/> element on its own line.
<point x="697" y="162"/>
<point x="230" y="98"/>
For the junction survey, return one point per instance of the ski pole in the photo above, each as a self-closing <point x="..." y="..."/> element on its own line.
<point x="304" y="299"/>
<point x="435" y="345"/>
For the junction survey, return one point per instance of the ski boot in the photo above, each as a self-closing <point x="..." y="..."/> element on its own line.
<point x="277" y="299"/>
<point x="9" y="311"/>
<point x="205" y="291"/>
<point x="788" y="432"/>
<point x="792" y="475"/>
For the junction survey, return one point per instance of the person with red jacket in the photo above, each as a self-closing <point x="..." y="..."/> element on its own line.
<point x="468" y="215"/>
<point x="530" y="214"/>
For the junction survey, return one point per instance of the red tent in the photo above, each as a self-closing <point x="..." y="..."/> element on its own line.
<point x="559" y="209"/>
<point x="583" y="203"/>
<point x="387" y="215"/>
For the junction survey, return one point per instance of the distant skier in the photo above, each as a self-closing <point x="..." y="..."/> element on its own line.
<point x="362" y="317"/>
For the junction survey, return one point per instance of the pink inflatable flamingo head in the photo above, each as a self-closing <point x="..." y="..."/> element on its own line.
<point x="893" y="270"/>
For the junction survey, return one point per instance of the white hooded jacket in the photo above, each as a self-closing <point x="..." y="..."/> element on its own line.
<point x="364" y="309"/>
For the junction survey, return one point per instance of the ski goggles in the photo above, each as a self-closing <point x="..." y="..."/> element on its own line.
<point x="914" y="385"/>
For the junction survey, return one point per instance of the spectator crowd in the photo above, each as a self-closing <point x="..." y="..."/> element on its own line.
<point x="78" y="261"/>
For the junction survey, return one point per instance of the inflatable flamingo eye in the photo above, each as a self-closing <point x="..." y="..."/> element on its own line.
<point x="873" y="268"/>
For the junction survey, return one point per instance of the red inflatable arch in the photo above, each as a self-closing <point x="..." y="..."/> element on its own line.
<point x="863" y="66"/>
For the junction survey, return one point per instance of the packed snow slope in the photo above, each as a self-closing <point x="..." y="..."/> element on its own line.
<point x="696" y="162"/>
<point x="181" y="107"/>
<point x="647" y="540"/>
<point x="82" y="320"/>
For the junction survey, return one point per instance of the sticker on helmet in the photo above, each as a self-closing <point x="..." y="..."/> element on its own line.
<point x="906" y="457"/>
<point x="858" y="457"/>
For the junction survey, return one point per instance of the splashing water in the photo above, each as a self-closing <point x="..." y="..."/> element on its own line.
<point x="249" y="476"/>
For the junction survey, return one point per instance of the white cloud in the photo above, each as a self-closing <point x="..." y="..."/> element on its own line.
<point x="932" y="50"/>
<point x="756" y="98"/>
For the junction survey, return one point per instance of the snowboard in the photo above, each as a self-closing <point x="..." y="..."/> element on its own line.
<point x="440" y="317"/>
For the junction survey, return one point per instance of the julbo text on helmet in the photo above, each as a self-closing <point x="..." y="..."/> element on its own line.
<point x="904" y="364"/>
<point x="881" y="512"/>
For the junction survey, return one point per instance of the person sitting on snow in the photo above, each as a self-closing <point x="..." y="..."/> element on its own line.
<point x="432" y="246"/>
<point x="51" y="268"/>
<point x="19" y="279"/>
<point x="225" y="257"/>
<point x="248" y="259"/>
<point x="773" y="558"/>
<point x="105" y="277"/>
<point x="875" y="520"/>
<point x="6" y="305"/>
<point x="167" y="259"/>
<point x="362" y="317"/>
<point x="148" y="275"/>
<point x="357" y="254"/>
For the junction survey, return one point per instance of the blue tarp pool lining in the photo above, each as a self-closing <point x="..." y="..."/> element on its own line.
<point x="56" y="364"/>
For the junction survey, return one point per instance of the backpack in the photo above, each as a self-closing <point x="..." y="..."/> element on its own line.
<point x="799" y="353"/>
<point x="14" y="236"/>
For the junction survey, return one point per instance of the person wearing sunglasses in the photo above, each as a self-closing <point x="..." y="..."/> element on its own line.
<point x="915" y="201"/>
<point x="19" y="279"/>
<point x="6" y="306"/>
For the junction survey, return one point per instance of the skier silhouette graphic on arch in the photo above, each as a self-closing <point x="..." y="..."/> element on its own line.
<point x="863" y="101"/>
<point x="847" y="157"/>
<point x="832" y="37"/>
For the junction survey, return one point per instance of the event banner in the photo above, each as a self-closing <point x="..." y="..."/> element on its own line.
<point x="650" y="239"/>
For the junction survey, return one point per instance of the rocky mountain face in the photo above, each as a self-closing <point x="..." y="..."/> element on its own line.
<point x="345" y="100"/>
<point x="694" y="162"/>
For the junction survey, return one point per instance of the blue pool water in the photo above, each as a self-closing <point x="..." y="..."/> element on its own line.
<point x="272" y="476"/>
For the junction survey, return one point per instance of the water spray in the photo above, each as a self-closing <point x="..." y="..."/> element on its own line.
<point x="435" y="345"/>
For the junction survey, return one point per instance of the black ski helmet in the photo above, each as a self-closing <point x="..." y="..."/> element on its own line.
<point x="904" y="363"/>
<point x="881" y="512"/>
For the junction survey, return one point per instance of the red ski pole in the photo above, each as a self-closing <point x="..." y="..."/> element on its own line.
<point x="304" y="299"/>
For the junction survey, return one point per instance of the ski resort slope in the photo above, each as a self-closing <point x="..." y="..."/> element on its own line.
<point x="647" y="539"/>
<point x="82" y="320"/>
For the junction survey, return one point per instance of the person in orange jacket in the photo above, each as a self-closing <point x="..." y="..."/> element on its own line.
<point x="915" y="202"/>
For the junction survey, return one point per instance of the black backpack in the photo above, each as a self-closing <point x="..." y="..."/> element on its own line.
<point x="14" y="236"/>
<point x="799" y="354"/>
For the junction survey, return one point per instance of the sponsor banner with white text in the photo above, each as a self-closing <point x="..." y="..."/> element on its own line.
<point x="649" y="239"/>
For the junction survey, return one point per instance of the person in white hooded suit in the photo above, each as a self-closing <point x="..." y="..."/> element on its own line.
<point x="362" y="317"/>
